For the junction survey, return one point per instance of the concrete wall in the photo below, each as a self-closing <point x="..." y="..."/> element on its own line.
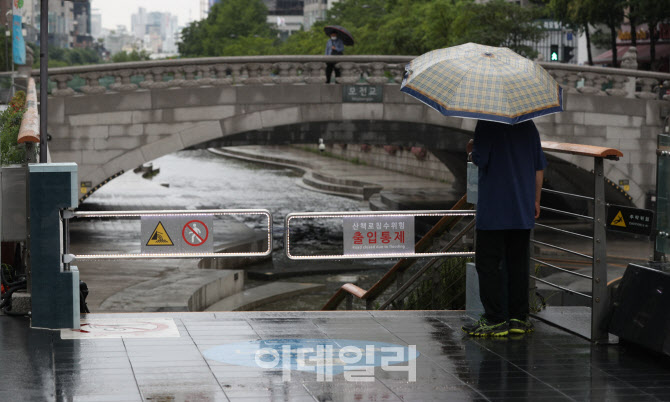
<point x="630" y="125"/>
<point x="401" y="159"/>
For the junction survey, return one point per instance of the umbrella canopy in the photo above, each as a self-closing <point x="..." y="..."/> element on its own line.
<point x="482" y="82"/>
<point x="341" y="33"/>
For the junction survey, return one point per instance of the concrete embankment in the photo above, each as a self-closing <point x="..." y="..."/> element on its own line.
<point x="386" y="190"/>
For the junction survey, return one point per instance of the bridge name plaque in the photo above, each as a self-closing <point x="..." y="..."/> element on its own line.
<point x="363" y="93"/>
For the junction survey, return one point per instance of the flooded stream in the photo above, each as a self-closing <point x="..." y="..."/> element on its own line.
<point x="198" y="179"/>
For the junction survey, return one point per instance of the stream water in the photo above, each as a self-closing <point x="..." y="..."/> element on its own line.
<point x="198" y="179"/>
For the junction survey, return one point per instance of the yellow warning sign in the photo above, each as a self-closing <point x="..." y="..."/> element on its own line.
<point x="160" y="237"/>
<point x="618" y="220"/>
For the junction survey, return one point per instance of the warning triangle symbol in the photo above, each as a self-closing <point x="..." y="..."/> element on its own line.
<point x="618" y="220"/>
<point x="160" y="237"/>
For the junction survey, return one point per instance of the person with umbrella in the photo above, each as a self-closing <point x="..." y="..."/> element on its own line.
<point x="335" y="46"/>
<point x="504" y="91"/>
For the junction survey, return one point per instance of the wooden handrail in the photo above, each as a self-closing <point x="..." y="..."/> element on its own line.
<point x="444" y="224"/>
<point x="354" y="290"/>
<point x="580" y="149"/>
<point x="30" y="124"/>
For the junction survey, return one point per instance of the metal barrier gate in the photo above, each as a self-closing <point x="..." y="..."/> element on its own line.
<point x="191" y="236"/>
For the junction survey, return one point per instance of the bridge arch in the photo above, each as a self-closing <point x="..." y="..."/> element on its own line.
<point x="155" y="108"/>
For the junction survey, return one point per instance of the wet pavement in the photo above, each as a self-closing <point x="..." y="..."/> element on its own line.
<point x="241" y="356"/>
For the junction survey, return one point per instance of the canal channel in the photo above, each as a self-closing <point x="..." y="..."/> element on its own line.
<point x="199" y="179"/>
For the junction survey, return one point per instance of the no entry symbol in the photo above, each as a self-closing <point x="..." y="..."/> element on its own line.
<point x="195" y="233"/>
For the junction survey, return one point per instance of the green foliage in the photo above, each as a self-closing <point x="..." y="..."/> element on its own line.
<point x="10" y="123"/>
<point x="124" y="56"/>
<point x="61" y="57"/>
<point x="5" y="62"/>
<point x="499" y="23"/>
<point x="400" y="27"/>
<point x="312" y="42"/>
<point x="447" y="292"/>
<point x="249" y="46"/>
<point x="233" y="27"/>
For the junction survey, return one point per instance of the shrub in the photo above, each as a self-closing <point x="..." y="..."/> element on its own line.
<point x="10" y="123"/>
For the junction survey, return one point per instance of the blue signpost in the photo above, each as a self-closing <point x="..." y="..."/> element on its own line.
<point x="18" y="44"/>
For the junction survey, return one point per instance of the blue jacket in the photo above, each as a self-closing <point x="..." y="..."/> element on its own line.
<point x="508" y="157"/>
<point x="339" y="47"/>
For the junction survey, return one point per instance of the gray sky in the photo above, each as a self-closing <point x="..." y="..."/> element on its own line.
<point x="118" y="12"/>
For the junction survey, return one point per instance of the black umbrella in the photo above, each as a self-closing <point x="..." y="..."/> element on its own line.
<point x="341" y="33"/>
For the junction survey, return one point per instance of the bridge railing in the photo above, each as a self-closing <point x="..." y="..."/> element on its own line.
<point x="267" y="70"/>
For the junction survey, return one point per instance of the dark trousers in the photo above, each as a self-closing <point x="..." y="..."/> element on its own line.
<point x="503" y="261"/>
<point x="329" y="71"/>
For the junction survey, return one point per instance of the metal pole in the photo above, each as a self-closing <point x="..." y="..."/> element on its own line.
<point x="599" y="302"/>
<point x="44" y="78"/>
<point x="6" y="47"/>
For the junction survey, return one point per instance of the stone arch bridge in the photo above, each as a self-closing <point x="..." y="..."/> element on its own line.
<point x="112" y="118"/>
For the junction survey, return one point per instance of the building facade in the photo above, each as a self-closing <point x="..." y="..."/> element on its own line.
<point x="315" y="10"/>
<point x="156" y="31"/>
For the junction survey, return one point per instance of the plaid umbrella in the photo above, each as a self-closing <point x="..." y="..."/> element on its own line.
<point x="482" y="82"/>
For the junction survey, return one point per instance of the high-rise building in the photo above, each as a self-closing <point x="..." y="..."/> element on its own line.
<point x="121" y="40"/>
<point x="315" y="10"/>
<point x="61" y="24"/>
<point x="285" y="15"/>
<point x="156" y="30"/>
<point x="96" y="24"/>
<point x="138" y="22"/>
<point x="82" y="24"/>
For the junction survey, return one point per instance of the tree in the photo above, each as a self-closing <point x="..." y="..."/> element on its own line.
<point x="10" y="123"/>
<point x="653" y="12"/>
<point x="192" y="39"/>
<point x="610" y="13"/>
<point x="226" y="23"/>
<point x="124" y="56"/>
<point x="576" y="14"/>
<point x="305" y="42"/>
<point x="499" y="23"/>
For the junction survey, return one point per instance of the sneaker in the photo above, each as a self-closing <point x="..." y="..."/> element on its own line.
<point x="486" y="328"/>
<point x="520" y="326"/>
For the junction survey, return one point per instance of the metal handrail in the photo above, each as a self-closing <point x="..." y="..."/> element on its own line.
<point x="561" y="249"/>
<point x="565" y="231"/>
<point x="420" y="272"/>
<point x="558" y="211"/>
<point x="561" y="287"/>
<point x="567" y="271"/>
<point x="583" y="197"/>
<point x="599" y="299"/>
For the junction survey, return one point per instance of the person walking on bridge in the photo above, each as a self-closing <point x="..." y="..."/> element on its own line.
<point x="511" y="170"/>
<point x="334" y="47"/>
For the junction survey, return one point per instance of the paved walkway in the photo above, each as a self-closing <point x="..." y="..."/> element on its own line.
<point x="240" y="357"/>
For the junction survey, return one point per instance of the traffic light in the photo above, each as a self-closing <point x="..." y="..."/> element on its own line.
<point x="567" y="53"/>
<point x="553" y="55"/>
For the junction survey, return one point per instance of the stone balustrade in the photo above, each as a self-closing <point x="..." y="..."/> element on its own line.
<point x="300" y="70"/>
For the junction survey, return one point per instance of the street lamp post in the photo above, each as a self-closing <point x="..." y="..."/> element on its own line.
<point x="44" y="78"/>
<point x="6" y="36"/>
